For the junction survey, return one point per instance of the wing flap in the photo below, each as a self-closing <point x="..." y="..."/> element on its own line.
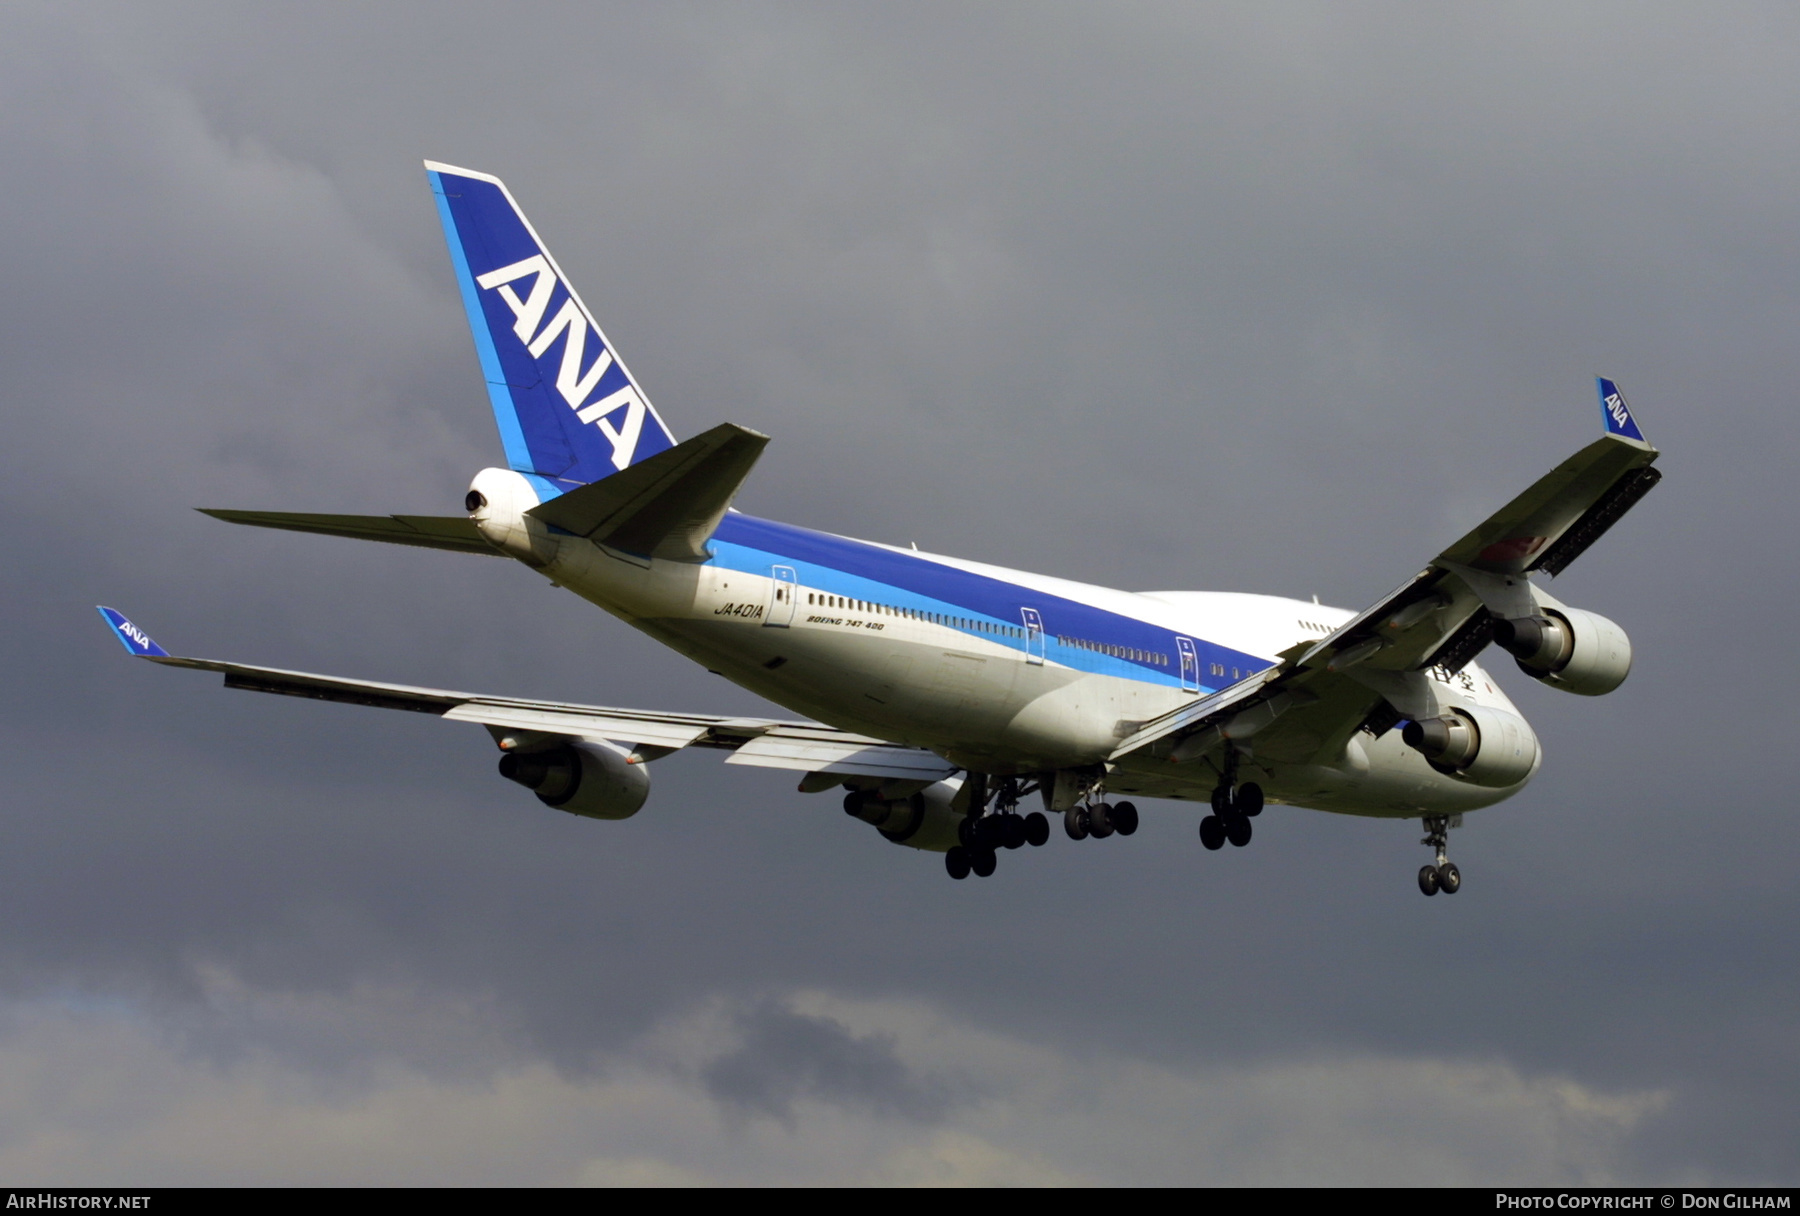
<point x="815" y="750"/>
<point x="322" y="688"/>
<point x="449" y="532"/>
<point x="627" y="726"/>
<point x="1511" y="540"/>
<point x="1594" y="522"/>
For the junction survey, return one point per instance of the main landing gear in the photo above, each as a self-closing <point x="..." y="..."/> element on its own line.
<point x="981" y="836"/>
<point x="1233" y="806"/>
<point x="1099" y="820"/>
<point x="1443" y="876"/>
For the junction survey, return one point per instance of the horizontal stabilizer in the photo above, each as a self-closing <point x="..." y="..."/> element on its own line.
<point x="452" y="532"/>
<point x="667" y="506"/>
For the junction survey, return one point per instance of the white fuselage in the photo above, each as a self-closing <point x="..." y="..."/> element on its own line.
<point x="1000" y="671"/>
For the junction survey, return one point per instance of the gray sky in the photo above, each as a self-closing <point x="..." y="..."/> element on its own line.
<point x="1246" y="298"/>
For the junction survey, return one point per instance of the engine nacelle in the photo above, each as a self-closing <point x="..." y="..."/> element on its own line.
<point x="1566" y="648"/>
<point x="587" y="778"/>
<point x="925" y="820"/>
<point x="1487" y="747"/>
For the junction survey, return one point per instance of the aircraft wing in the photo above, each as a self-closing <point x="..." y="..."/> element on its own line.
<point x="1372" y="672"/>
<point x="808" y="747"/>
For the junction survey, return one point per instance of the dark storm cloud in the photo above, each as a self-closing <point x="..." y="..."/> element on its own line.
<point x="786" y="1057"/>
<point x="1176" y="296"/>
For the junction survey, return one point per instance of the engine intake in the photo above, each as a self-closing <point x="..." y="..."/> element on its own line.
<point x="1487" y="747"/>
<point x="587" y="778"/>
<point x="1566" y="648"/>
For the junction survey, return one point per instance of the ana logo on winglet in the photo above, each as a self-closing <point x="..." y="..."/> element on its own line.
<point x="134" y="639"/>
<point x="1618" y="416"/>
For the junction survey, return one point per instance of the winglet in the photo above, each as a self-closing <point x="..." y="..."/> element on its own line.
<point x="1618" y="417"/>
<point x="134" y="639"/>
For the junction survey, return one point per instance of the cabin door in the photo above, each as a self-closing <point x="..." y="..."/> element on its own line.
<point x="784" y="589"/>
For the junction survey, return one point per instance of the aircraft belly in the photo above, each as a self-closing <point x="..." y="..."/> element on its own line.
<point x="1081" y="718"/>
<point x="909" y="691"/>
<point x="1378" y="778"/>
<point x="992" y="709"/>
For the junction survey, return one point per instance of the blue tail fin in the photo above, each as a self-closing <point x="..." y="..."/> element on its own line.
<point x="568" y="410"/>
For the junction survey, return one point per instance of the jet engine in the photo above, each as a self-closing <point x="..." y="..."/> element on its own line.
<point x="1567" y="648"/>
<point x="1488" y="747"/>
<point x="588" y="778"/>
<point x="925" y="820"/>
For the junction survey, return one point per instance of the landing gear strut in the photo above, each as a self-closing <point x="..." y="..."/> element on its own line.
<point x="1234" y="806"/>
<point x="1443" y="874"/>
<point x="980" y="836"/>
<point x="982" y="833"/>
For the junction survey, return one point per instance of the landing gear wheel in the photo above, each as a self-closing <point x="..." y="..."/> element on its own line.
<point x="1124" y="818"/>
<point x="983" y="861"/>
<point x="1237" y="830"/>
<point x="1249" y="799"/>
<point x="1212" y="832"/>
<point x="956" y="862"/>
<point x="1012" y="831"/>
<point x="1075" y="823"/>
<point x="1100" y="824"/>
<point x="1221" y="799"/>
<point x="1442" y="874"/>
<point x="1037" y="829"/>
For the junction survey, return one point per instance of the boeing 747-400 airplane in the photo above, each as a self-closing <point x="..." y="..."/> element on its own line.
<point x="938" y="693"/>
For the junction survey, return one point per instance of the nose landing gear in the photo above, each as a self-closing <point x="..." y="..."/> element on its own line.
<point x="1443" y="874"/>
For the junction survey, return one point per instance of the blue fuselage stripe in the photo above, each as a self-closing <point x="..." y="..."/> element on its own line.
<point x="856" y="570"/>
